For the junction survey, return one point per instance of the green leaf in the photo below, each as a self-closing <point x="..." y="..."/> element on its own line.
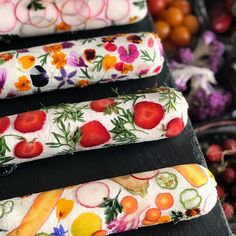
<point x="35" y="5"/>
<point x="141" y="4"/>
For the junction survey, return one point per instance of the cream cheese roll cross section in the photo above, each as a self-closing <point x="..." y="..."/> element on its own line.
<point x="109" y="206"/>
<point x="68" y="128"/>
<point x="42" y="17"/>
<point x="79" y="63"/>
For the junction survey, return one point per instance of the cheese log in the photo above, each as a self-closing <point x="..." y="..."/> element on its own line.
<point x="79" y="63"/>
<point x="27" y="18"/>
<point x="106" y="206"/>
<point x="68" y="128"/>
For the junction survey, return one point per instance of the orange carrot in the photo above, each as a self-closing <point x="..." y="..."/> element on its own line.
<point x="164" y="201"/>
<point x="129" y="204"/>
<point x="100" y="233"/>
<point x="152" y="214"/>
<point x="164" y="219"/>
<point x="146" y="222"/>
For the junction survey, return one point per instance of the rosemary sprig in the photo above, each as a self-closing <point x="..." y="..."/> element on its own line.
<point x="64" y="139"/>
<point x="146" y="57"/>
<point x="141" y="4"/>
<point x="97" y="63"/>
<point x="66" y="112"/>
<point x="43" y="59"/>
<point x="89" y="40"/>
<point x="35" y="5"/>
<point x="176" y="216"/>
<point x="170" y="96"/>
<point x="85" y="74"/>
<point x="113" y="208"/>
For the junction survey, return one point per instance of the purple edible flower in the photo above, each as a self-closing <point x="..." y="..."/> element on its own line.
<point x="75" y="61"/>
<point x="59" y="231"/>
<point x="24" y="50"/>
<point x="3" y="78"/>
<point x="65" y="78"/>
<point x="67" y="45"/>
<point x="130" y="55"/>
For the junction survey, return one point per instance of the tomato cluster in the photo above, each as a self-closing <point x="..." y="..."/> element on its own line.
<point x="174" y="22"/>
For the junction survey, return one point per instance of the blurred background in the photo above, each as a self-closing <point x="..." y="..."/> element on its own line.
<point x="199" y="38"/>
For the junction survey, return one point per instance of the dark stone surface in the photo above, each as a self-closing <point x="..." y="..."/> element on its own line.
<point x="81" y="167"/>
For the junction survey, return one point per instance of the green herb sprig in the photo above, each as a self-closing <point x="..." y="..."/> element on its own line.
<point x="146" y="57"/>
<point x="141" y="4"/>
<point x="113" y="208"/>
<point x="35" y="5"/>
<point x="176" y="216"/>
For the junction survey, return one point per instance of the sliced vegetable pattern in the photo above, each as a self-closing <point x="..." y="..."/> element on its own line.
<point x="80" y="63"/>
<point x="68" y="128"/>
<point x="110" y="206"/>
<point x="39" y="17"/>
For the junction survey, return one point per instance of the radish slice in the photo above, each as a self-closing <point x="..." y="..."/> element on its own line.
<point x="145" y="175"/>
<point x="68" y="8"/>
<point x="7" y="17"/>
<point x="96" y="7"/>
<point x="21" y="11"/>
<point x="50" y="13"/>
<point x="117" y="10"/>
<point x="96" y="23"/>
<point x="29" y="30"/>
<point x="92" y="194"/>
<point x="83" y="11"/>
<point x="59" y="4"/>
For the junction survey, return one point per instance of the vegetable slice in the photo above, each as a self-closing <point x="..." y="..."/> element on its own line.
<point x="145" y="175"/>
<point x="167" y="180"/>
<point x="190" y="198"/>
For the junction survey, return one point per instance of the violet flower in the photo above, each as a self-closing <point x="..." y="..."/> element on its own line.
<point x="128" y="55"/>
<point x="67" y="44"/>
<point x="3" y="78"/>
<point x="65" y="78"/>
<point x="59" y="231"/>
<point x="75" y="61"/>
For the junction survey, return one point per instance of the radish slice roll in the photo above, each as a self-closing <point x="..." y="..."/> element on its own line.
<point x="30" y="18"/>
<point x="68" y="128"/>
<point x="113" y="205"/>
<point x="79" y="63"/>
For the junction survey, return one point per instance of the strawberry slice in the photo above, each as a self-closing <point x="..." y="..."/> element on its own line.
<point x="148" y="115"/>
<point x="101" y="104"/>
<point x="25" y="150"/>
<point x="30" y="121"/>
<point x="174" y="127"/>
<point x="4" y="124"/>
<point x="94" y="134"/>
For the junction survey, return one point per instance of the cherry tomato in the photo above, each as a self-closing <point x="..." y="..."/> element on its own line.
<point x="180" y="36"/>
<point x="222" y="22"/>
<point x="183" y="5"/>
<point x="174" y="16"/>
<point x="191" y="22"/>
<point x="163" y="29"/>
<point x="168" y="2"/>
<point x="156" y="6"/>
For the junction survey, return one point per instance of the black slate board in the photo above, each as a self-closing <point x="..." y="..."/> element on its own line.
<point x="68" y="170"/>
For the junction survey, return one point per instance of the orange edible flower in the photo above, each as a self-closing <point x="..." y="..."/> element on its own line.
<point x="108" y="62"/>
<point x="83" y="83"/>
<point x="64" y="207"/>
<point x="63" y="27"/>
<point x="23" y="84"/>
<point x="127" y="68"/>
<point x="6" y="56"/>
<point x="27" y="61"/>
<point x="53" y="48"/>
<point x="59" y="59"/>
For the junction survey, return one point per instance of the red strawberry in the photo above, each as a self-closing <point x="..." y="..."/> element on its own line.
<point x="101" y="104"/>
<point x="228" y="176"/>
<point x="228" y="210"/>
<point x="174" y="127"/>
<point x="30" y="121"/>
<point x="229" y="144"/>
<point x="214" y="153"/>
<point x="220" y="191"/>
<point x="94" y="134"/>
<point x="26" y="149"/>
<point x="4" y="124"/>
<point x="148" y="115"/>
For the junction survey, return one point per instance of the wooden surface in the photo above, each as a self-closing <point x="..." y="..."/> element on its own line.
<point x="81" y="167"/>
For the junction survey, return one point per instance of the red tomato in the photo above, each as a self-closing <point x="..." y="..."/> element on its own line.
<point x="156" y="6"/>
<point x="222" y="23"/>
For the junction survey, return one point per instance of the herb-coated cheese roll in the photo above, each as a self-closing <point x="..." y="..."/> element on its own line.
<point x="42" y="17"/>
<point x="114" y="205"/>
<point x="79" y="63"/>
<point x="69" y="128"/>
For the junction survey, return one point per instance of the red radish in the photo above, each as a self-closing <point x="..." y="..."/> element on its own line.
<point x="8" y="17"/>
<point x="96" y="6"/>
<point x="101" y="104"/>
<point x="145" y="175"/>
<point x="222" y="22"/>
<point x="25" y="150"/>
<point x="115" y="13"/>
<point x="214" y="153"/>
<point x="30" y="121"/>
<point x="174" y="127"/>
<point x="4" y="124"/>
<point x="148" y="115"/>
<point x="95" y="23"/>
<point x="94" y="134"/>
<point x="228" y="210"/>
<point x="229" y="144"/>
<point x="92" y="194"/>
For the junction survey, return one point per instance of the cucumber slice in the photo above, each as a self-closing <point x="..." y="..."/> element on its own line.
<point x="1" y="211"/>
<point x="8" y="207"/>
<point x="190" y="198"/>
<point x="167" y="180"/>
<point x="192" y="204"/>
